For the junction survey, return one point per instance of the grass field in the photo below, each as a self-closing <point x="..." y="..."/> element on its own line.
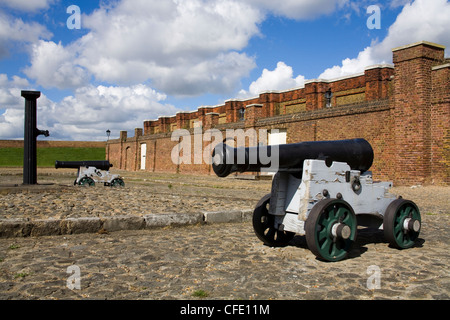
<point x="46" y="157"/>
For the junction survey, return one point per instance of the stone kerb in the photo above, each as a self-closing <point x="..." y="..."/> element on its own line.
<point x="49" y="227"/>
<point x="171" y="219"/>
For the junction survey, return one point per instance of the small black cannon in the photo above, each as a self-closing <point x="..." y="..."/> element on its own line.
<point x="90" y="172"/>
<point x="323" y="190"/>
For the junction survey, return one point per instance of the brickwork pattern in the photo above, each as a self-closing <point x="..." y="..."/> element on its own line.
<point x="402" y="110"/>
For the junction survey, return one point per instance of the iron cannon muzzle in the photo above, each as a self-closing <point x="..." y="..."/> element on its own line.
<point x="357" y="153"/>
<point x="99" y="164"/>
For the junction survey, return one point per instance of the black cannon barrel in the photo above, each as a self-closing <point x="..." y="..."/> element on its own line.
<point x="357" y="153"/>
<point x="99" y="164"/>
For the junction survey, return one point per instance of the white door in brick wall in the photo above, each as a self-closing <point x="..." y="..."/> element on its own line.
<point x="143" y="155"/>
<point x="277" y="136"/>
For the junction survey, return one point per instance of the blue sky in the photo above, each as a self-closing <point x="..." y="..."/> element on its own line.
<point x="134" y="60"/>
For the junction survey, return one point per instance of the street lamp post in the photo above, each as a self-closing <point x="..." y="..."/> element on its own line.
<point x="108" y="133"/>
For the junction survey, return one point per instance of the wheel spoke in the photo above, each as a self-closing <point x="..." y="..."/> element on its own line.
<point x="398" y="217"/>
<point x="415" y="214"/>
<point x="398" y="227"/>
<point x="332" y="214"/>
<point x="322" y="234"/>
<point x="407" y="211"/>
<point x="341" y="213"/>
<point x="348" y="220"/>
<point x="325" y="247"/>
<point x="399" y="236"/>
<point x="335" y="250"/>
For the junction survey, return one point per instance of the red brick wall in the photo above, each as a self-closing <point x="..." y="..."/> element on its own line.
<point x="412" y="100"/>
<point x="440" y="124"/>
<point x="403" y="111"/>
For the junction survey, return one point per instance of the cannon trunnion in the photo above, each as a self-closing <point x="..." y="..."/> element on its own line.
<point x="324" y="191"/>
<point x="91" y="172"/>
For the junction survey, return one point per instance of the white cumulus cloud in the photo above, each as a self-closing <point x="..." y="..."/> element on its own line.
<point x="86" y="114"/>
<point x="53" y="65"/>
<point x="281" y="78"/>
<point x="10" y="90"/>
<point x="183" y="48"/>
<point x="92" y="110"/>
<point x="419" y="20"/>
<point x="12" y="106"/>
<point x="299" y="9"/>
<point x="15" y="30"/>
<point x="350" y="66"/>
<point x="27" y="5"/>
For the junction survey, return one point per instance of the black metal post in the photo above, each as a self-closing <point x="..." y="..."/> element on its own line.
<point x="30" y="135"/>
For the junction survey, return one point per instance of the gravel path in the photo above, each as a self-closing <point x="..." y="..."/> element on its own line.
<point x="147" y="193"/>
<point x="143" y="194"/>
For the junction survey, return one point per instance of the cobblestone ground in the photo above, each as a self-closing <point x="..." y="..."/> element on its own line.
<point x="143" y="194"/>
<point x="218" y="261"/>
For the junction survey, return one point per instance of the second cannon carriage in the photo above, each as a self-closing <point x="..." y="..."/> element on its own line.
<point x="92" y="172"/>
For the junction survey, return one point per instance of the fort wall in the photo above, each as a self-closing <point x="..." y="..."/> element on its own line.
<point x="403" y="110"/>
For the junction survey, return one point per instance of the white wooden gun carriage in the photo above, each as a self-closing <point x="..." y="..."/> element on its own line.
<point x="323" y="190"/>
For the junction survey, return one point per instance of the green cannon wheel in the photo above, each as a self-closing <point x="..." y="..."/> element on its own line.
<point x="117" y="182"/>
<point x="331" y="229"/>
<point x="264" y="225"/>
<point x="402" y="223"/>
<point x="86" y="182"/>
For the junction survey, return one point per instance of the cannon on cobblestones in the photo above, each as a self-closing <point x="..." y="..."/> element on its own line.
<point x="91" y="172"/>
<point x="324" y="191"/>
